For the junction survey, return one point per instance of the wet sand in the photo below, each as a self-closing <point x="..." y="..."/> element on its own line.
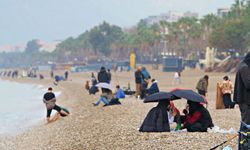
<point x="116" y="127"/>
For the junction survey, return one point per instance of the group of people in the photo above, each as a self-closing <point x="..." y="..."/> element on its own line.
<point x="195" y="118"/>
<point x="12" y="74"/>
<point x="107" y="97"/>
<point x="142" y="80"/>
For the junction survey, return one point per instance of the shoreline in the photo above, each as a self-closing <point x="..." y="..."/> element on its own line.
<point x="115" y="127"/>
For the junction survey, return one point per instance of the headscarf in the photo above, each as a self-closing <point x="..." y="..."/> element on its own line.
<point x="193" y="107"/>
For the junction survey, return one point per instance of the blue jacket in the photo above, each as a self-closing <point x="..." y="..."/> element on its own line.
<point x="153" y="89"/>
<point x="120" y="94"/>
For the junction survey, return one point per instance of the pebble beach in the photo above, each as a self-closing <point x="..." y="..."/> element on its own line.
<point x="116" y="127"/>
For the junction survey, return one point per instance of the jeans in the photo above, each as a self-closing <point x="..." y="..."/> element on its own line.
<point x="102" y="99"/>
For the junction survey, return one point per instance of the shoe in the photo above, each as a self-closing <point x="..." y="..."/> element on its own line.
<point x="94" y="104"/>
<point x="105" y="105"/>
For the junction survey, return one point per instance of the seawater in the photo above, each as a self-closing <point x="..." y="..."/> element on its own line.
<point x="21" y="106"/>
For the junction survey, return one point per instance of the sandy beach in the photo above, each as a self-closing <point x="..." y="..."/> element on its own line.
<point x="116" y="127"/>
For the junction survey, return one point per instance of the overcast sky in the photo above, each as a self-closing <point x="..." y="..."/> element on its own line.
<point x="23" y="20"/>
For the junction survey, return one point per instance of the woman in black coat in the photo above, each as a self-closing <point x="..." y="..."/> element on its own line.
<point x="157" y="119"/>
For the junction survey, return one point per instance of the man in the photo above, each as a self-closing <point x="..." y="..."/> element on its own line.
<point x="103" y="75"/>
<point x="49" y="99"/>
<point x="202" y="85"/>
<point x="242" y="89"/>
<point x="138" y="81"/>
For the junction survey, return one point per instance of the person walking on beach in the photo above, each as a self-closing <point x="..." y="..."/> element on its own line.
<point x="138" y="81"/>
<point x="49" y="99"/>
<point x="202" y="85"/>
<point x="176" y="80"/>
<point x="226" y="89"/>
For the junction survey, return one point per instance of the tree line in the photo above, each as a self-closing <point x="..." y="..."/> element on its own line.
<point x="187" y="37"/>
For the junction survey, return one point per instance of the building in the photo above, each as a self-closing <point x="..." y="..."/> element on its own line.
<point x="221" y="12"/>
<point x="171" y="16"/>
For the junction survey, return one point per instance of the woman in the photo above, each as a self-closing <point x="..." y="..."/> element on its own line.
<point x="226" y="89"/>
<point x="197" y="118"/>
<point x="174" y="115"/>
<point x="157" y="119"/>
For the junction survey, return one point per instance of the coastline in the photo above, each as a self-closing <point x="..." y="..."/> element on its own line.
<point x="115" y="127"/>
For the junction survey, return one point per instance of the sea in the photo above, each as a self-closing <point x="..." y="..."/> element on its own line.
<point x="21" y="106"/>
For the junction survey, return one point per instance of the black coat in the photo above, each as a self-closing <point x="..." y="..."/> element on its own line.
<point x="206" y="119"/>
<point x="242" y="84"/>
<point x="103" y="76"/>
<point x="153" y="89"/>
<point x="157" y="119"/>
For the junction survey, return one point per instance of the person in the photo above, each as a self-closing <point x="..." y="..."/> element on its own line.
<point x="153" y="88"/>
<point x="202" y="85"/>
<point x="66" y="74"/>
<point x="93" y="89"/>
<point x="145" y="74"/>
<point x="226" y="89"/>
<point x="119" y="93"/>
<point x="49" y="100"/>
<point x="52" y="74"/>
<point x="104" y="97"/>
<point x="109" y="76"/>
<point x="138" y="81"/>
<point x="242" y="96"/>
<point x="103" y="75"/>
<point x="41" y="76"/>
<point x="242" y="88"/>
<point x="144" y="86"/>
<point x="197" y="118"/>
<point x="174" y="115"/>
<point x="176" y="80"/>
<point x="157" y="119"/>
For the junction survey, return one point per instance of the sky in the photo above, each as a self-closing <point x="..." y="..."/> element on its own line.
<point x="49" y="20"/>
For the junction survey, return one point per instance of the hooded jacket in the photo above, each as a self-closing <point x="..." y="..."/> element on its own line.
<point x="242" y="82"/>
<point x="157" y="119"/>
<point x="103" y="75"/>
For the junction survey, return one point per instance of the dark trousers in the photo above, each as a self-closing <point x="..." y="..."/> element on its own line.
<point x="227" y="101"/>
<point x="245" y="113"/>
<point x="196" y="127"/>
<point x="202" y="92"/>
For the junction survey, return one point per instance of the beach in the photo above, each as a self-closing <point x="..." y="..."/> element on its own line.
<point x="116" y="127"/>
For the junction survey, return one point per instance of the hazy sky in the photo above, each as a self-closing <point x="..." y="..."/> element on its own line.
<point x="23" y="20"/>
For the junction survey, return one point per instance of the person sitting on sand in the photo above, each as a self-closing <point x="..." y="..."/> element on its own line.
<point x="153" y="88"/>
<point x="49" y="99"/>
<point x="108" y="99"/>
<point x="157" y="119"/>
<point x="105" y="96"/>
<point x="174" y="115"/>
<point x="119" y="93"/>
<point x="197" y="118"/>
